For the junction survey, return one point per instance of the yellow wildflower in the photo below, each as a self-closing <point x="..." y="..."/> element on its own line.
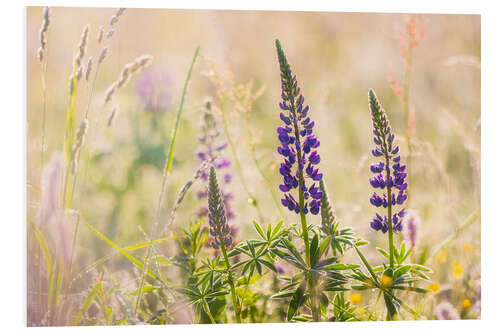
<point x="435" y="287"/>
<point x="356" y="298"/>
<point x="466" y="304"/>
<point x="468" y="247"/>
<point x="386" y="280"/>
<point x="441" y="257"/>
<point x="457" y="269"/>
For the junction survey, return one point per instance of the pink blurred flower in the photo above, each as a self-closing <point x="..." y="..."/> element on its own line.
<point x="411" y="223"/>
<point x="52" y="216"/>
<point x="51" y="188"/>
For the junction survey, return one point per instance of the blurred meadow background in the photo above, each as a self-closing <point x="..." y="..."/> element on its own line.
<point x="424" y="68"/>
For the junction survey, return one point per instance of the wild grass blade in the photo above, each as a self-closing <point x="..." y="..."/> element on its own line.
<point x="166" y="170"/>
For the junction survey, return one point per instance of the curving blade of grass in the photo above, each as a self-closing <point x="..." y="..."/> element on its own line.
<point x="123" y="251"/>
<point x="166" y="170"/>
<point x="170" y="158"/>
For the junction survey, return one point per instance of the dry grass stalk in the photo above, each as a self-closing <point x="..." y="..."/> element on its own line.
<point x="112" y="116"/>
<point x="182" y="193"/>
<point x="80" y="136"/>
<point x="102" y="55"/>
<point x="109" y="34"/>
<point x="100" y="34"/>
<point x="89" y="69"/>
<point x="80" y="52"/>
<point x="43" y="33"/>
<point x="128" y="70"/>
<point x="114" y="18"/>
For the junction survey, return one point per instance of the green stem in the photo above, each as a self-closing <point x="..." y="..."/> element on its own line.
<point x="236" y="305"/>
<point x="390" y="306"/>
<point x="44" y="110"/>
<point x="389" y="208"/>
<point x="305" y="230"/>
<point x="212" y="320"/>
<point x="316" y="315"/>
<point x="237" y="161"/>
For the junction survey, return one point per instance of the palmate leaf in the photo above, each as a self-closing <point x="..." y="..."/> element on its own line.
<point x="295" y="255"/>
<point x="400" y="271"/>
<point x="283" y="294"/>
<point x="340" y="267"/>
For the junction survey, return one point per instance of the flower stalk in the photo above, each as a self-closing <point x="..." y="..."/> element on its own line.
<point x="221" y="232"/>
<point x="297" y="148"/>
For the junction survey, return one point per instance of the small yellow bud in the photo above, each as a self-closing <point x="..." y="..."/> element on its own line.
<point x="441" y="257"/>
<point x="356" y="298"/>
<point x="468" y="247"/>
<point x="369" y="282"/>
<point x="360" y="310"/>
<point x="457" y="269"/>
<point x="386" y="281"/>
<point x="466" y="304"/>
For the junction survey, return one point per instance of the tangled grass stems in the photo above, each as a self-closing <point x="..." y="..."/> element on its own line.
<point x="166" y="171"/>
<point x="473" y="217"/>
<point x="91" y="87"/>
<point x="255" y="160"/>
<point x="225" y="125"/>
<point x="234" y="93"/>
<point x="410" y="38"/>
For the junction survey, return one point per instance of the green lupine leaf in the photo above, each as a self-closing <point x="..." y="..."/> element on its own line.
<point x="339" y="267"/>
<point x="313" y="249"/>
<point x="297" y="300"/>
<point x="283" y="294"/>
<point x="383" y="252"/>
<point x="259" y="229"/>
<point x="268" y="264"/>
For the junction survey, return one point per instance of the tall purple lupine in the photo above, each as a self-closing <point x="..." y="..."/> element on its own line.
<point x="210" y="151"/>
<point x="298" y="145"/>
<point x="390" y="174"/>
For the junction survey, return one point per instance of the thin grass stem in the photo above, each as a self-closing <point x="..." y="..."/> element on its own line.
<point x="166" y="170"/>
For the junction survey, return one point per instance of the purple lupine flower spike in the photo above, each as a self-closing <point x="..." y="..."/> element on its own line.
<point x="298" y="145"/>
<point x="211" y="151"/>
<point x="389" y="173"/>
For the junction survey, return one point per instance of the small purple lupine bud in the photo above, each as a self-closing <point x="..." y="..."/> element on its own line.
<point x="279" y="268"/>
<point x="377" y="167"/>
<point x="376" y="200"/>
